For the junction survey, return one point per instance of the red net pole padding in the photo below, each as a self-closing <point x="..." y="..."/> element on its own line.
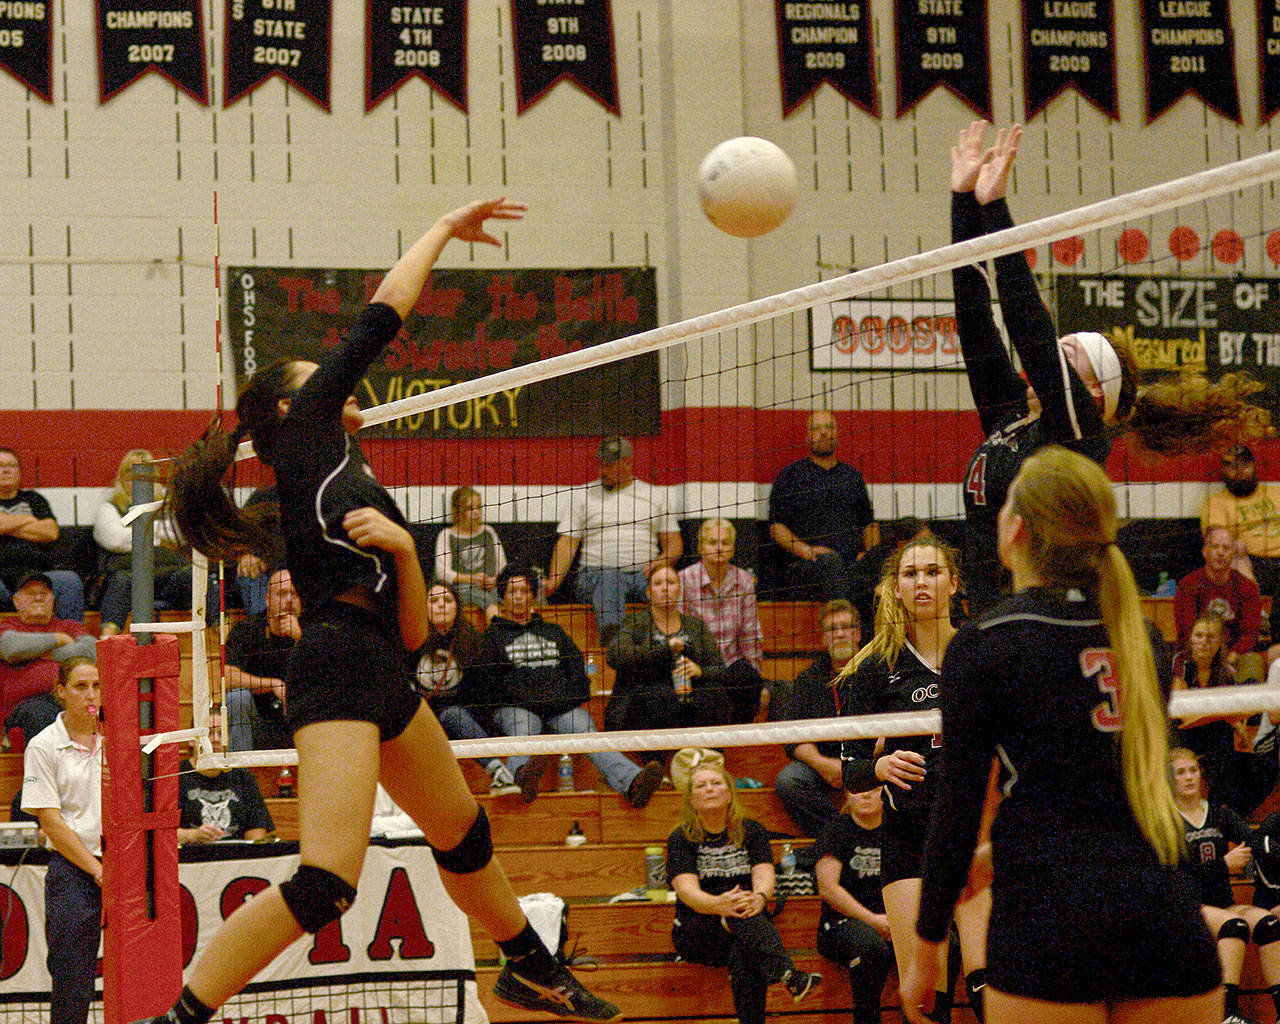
<point x="142" y="931"/>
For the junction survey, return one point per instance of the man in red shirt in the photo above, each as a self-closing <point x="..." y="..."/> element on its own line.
<point x="1233" y="596"/>
<point x="31" y="649"/>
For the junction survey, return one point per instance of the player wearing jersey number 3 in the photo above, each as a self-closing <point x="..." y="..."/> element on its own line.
<point x="1091" y="918"/>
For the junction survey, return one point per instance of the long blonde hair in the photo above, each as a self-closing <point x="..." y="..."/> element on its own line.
<point x="1069" y="510"/>
<point x="122" y="494"/>
<point x="689" y="822"/>
<point x="890" y="634"/>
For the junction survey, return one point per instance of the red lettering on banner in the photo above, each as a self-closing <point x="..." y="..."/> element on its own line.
<point x="442" y="302"/>
<point x="606" y="301"/>
<point x="508" y="304"/>
<point x="276" y="1018"/>
<point x="190" y="918"/>
<point x="238" y="891"/>
<point x="300" y="294"/>
<point x="551" y="344"/>
<point x="924" y="335"/>
<point x="13" y="933"/>
<point x="400" y="919"/>
<point x="328" y="947"/>
<point x="843" y="336"/>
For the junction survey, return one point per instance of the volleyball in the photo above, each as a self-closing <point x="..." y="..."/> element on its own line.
<point x="747" y="186"/>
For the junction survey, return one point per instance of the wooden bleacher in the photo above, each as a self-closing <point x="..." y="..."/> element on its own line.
<point x="632" y="940"/>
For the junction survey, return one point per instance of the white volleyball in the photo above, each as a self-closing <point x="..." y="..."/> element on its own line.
<point x="747" y="186"/>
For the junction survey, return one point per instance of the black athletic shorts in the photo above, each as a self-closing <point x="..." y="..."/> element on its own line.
<point x="1082" y="926"/>
<point x="902" y="841"/>
<point x="350" y="666"/>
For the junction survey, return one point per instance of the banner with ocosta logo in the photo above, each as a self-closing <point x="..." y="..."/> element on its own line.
<point x="884" y="335"/>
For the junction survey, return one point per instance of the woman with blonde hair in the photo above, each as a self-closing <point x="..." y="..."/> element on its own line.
<point x="115" y="550"/>
<point x="1089" y="921"/>
<point x="897" y="671"/>
<point x="469" y="554"/>
<point x="721" y="867"/>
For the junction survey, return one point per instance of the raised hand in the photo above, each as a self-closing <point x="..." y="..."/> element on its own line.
<point x="466" y="223"/>
<point x="968" y="155"/>
<point x="369" y="528"/>
<point x="993" y="175"/>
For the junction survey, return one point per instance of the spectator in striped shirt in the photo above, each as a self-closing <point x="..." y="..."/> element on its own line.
<point x="723" y="596"/>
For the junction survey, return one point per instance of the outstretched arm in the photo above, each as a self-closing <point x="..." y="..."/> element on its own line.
<point x="995" y="386"/>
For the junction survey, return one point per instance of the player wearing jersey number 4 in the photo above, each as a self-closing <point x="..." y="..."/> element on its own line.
<point x="1081" y="389"/>
<point x="1091" y="920"/>
<point x="356" y="719"/>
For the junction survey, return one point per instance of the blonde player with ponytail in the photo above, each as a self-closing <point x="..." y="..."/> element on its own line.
<point x="1090" y="919"/>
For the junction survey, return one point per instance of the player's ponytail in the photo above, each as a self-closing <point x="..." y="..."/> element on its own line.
<point x="1069" y="509"/>
<point x="200" y="503"/>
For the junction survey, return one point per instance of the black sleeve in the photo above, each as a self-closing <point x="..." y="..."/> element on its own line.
<point x="575" y="668"/>
<point x="862" y="512"/>
<point x="1233" y="825"/>
<point x="862" y="697"/>
<point x="780" y="497"/>
<point x="834" y="839"/>
<point x="996" y="387"/>
<point x="322" y="397"/>
<point x="682" y="858"/>
<point x="756" y="842"/>
<point x="239" y="643"/>
<point x="39" y="506"/>
<point x="256" y="814"/>
<point x="1070" y="412"/>
<point x="968" y="745"/>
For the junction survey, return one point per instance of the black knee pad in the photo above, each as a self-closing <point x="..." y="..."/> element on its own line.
<point x="315" y="897"/>
<point x="472" y="853"/>
<point x="1234" y="928"/>
<point x="1267" y="930"/>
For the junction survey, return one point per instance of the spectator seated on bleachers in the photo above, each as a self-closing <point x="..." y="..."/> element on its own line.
<point x="811" y="787"/>
<point x="219" y="804"/>
<point x="28" y="531"/>
<point x="820" y="515"/>
<point x="115" y="544"/>
<point x="1250" y="511"/>
<point x="31" y="648"/>
<point x="669" y="670"/>
<point x="723" y="596"/>
<point x="625" y="530"/>
<point x="468" y="553"/>
<point x="537" y="682"/>
<point x="1237" y="754"/>
<point x="1217" y="587"/>
<point x="258" y="649"/>
<point x="447" y="676"/>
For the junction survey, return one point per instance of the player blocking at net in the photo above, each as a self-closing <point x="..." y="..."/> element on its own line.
<point x="354" y="715"/>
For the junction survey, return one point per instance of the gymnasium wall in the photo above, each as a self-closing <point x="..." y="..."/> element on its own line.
<point x="107" y="293"/>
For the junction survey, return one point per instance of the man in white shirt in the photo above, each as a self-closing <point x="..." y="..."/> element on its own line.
<point x="62" y="787"/>
<point x="625" y="530"/>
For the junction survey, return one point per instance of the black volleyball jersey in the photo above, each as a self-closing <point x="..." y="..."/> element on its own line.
<point x="1070" y="416"/>
<point x="321" y="475"/>
<point x="874" y="689"/>
<point x="1033" y="683"/>
<point x="1210" y="834"/>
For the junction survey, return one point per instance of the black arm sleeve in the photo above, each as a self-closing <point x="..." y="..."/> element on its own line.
<point x="322" y="397"/>
<point x="858" y="757"/>
<point x="1070" y="412"/>
<point x="968" y="746"/>
<point x="995" y="385"/>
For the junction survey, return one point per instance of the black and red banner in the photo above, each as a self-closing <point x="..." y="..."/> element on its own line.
<point x="1268" y="59"/>
<point x="289" y="38"/>
<point x="569" y="40"/>
<point x="405" y="40"/>
<point x="943" y="43"/>
<point x="137" y="36"/>
<point x="469" y="323"/>
<point x="1066" y="43"/>
<point x="1187" y="46"/>
<point x="26" y="44"/>
<point x="826" y="42"/>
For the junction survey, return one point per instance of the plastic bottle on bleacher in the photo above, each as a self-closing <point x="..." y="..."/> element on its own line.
<point x="566" y="774"/>
<point x="787" y="862"/>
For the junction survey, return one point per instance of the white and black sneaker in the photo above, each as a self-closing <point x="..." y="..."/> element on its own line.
<point x="801" y="983"/>
<point x="565" y="997"/>
<point x="501" y="781"/>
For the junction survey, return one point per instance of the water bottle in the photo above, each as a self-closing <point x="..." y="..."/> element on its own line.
<point x="284" y="782"/>
<point x="566" y="774"/>
<point x="575" y="836"/>
<point x="655" y="874"/>
<point x="788" y="861"/>
<point x="592" y="668"/>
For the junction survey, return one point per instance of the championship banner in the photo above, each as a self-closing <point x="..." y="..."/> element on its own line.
<point x="401" y="928"/>
<point x="289" y="38"/>
<point x="1187" y="48"/>
<point x="573" y="42"/>
<point x="826" y="42"/>
<point x="137" y="36"/>
<point x="1214" y="324"/>
<point x="1066" y="43"/>
<point x="468" y="323"/>
<point x="1268" y="59"/>
<point x="427" y="42"/>
<point x="943" y="42"/>
<point x="26" y="44"/>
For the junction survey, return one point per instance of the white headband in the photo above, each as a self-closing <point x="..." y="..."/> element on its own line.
<point x="1106" y="367"/>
